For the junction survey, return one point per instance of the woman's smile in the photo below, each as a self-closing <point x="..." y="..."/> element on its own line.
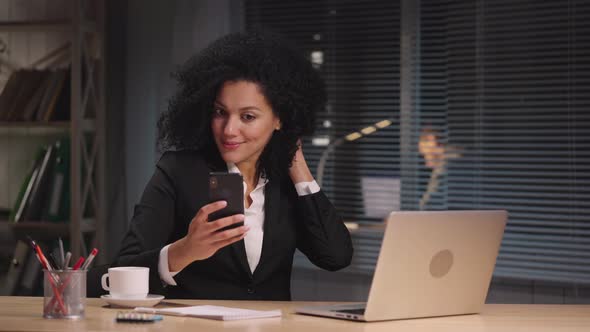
<point x="231" y="145"/>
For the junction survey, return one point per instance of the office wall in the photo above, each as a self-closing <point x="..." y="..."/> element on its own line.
<point x="115" y="60"/>
<point x="149" y="31"/>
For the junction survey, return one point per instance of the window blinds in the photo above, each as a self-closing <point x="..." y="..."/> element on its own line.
<point x="355" y="47"/>
<point x="499" y="116"/>
<point x="514" y="104"/>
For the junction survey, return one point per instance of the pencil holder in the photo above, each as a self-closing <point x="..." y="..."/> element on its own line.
<point x="64" y="294"/>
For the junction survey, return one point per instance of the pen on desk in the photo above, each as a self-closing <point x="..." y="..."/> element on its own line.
<point x="42" y="259"/>
<point x="67" y="261"/>
<point x="37" y="253"/>
<point x="89" y="259"/>
<point x="53" y="261"/>
<point x="61" y="253"/>
<point x="78" y="263"/>
<point x="45" y="260"/>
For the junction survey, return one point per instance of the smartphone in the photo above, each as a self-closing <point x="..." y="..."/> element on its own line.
<point x="227" y="187"/>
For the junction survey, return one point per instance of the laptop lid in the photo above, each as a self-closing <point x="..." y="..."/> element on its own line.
<point x="435" y="263"/>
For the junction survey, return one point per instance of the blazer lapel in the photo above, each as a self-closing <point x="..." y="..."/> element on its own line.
<point x="239" y="251"/>
<point x="272" y="208"/>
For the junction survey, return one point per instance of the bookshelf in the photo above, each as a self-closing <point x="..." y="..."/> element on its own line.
<point x="35" y="25"/>
<point x="42" y="230"/>
<point x="84" y="128"/>
<point x="29" y="128"/>
<point x="14" y="128"/>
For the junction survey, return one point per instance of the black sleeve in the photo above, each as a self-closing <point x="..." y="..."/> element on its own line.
<point x="321" y="234"/>
<point x="151" y="225"/>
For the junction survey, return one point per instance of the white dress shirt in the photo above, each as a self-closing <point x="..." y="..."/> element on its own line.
<point x="253" y="217"/>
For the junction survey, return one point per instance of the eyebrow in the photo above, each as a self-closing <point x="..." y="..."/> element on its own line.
<point x="245" y="108"/>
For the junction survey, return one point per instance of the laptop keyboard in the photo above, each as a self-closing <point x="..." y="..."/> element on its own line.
<point x="360" y="311"/>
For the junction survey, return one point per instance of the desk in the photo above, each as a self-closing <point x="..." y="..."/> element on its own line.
<point x="24" y="314"/>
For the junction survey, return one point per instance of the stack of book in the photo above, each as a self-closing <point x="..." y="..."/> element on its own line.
<point x="36" y="95"/>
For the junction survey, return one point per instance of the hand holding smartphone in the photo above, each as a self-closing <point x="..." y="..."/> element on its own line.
<point x="227" y="187"/>
<point x="204" y="239"/>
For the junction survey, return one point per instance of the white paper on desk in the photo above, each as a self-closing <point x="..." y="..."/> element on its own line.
<point x="213" y="312"/>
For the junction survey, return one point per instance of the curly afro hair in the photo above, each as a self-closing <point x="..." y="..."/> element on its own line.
<point x="286" y="78"/>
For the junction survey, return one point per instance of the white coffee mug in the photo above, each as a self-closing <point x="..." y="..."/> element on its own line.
<point x="130" y="282"/>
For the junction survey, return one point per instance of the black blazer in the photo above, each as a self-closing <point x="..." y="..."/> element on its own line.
<point x="179" y="188"/>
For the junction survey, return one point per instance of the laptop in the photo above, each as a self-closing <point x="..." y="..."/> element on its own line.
<point x="431" y="263"/>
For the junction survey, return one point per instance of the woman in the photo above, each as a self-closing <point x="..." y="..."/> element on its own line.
<point x="242" y="106"/>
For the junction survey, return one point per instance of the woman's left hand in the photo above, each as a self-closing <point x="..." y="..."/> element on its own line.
<point x="299" y="170"/>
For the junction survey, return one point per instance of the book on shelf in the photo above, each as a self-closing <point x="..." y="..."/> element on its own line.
<point x="23" y="78"/>
<point x="36" y="95"/>
<point x="15" y="213"/>
<point x="32" y="107"/>
<point x="23" y="197"/>
<point x="47" y="107"/>
<point x="9" y="93"/>
<point x="57" y="207"/>
<point x="31" y="82"/>
<point x="45" y="191"/>
<point x="38" y="196"/>
<point x="61" y="107"/>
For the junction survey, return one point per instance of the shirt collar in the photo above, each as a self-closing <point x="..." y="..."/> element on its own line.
<point x="232" y="168"/>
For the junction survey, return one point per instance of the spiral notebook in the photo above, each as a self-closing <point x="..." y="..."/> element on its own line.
<point x="212" y="312"/>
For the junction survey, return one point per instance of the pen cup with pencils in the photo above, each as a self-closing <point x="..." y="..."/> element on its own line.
<point x="64" y="293"/>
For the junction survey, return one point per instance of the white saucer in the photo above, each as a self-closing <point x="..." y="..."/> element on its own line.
<point x="148" y="301"/>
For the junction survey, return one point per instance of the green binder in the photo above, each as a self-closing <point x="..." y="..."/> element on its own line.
<point x="57" y="208"/>
<point x="24" y="193"/>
